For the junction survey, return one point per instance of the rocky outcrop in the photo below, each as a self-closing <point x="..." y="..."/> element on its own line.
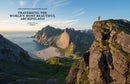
<point x="47" y="36"/>
<point x="51" y="36"/>
<point x="64" y="40"/>
<point x="78" y="72"/>
<point x="108" y="59"/>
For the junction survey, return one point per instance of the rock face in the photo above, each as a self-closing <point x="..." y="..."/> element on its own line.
<point x="47" y="36"/>
<point x="11" y="52"/>
<point x="108" y="59"/>
<point x="64" y="38"/>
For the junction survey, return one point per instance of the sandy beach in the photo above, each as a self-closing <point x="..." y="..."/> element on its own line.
<point x="46" y="53"/>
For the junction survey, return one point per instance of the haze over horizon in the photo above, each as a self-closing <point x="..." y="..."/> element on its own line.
<point x="78" y="14"/>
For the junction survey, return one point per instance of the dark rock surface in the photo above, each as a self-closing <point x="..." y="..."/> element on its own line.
<point x="13" y="59"/>
<point x="11" y="52"/>
<point x="108" y="58"/>
<point x="77" y="73"/>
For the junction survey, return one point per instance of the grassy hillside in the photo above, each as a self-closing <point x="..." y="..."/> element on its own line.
<point x="53" y="68"/>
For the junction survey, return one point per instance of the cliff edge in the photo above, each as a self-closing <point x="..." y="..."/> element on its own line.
<point x="108" y="59"/>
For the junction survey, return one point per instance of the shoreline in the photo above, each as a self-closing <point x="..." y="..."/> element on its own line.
<point x="46" y="53"/>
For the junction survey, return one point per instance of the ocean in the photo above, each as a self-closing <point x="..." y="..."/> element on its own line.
<point x="24" y="40"/>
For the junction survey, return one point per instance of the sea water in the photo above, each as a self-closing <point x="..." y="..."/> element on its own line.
<point x="24" y="40"/>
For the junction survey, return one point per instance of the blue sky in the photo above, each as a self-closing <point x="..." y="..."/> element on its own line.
<point x="78" y="14"/>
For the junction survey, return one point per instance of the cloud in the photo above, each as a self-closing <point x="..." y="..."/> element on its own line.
<point x="22" y="3"/>
<point x="79" y="10"/>
<point x="14" y="25"/>
<point x="61" y="3"/>
<point x="78" y="14"/>
<point x="4" y="21"/>
<point x="35" y="3"/>
<point x="57" y="3"/>
<point x="70" y="21"/>
<point x="7" y="21"/>
<point x="65" y="24"/>
<point x="81" y="13"/>
<point x="60" y="23"/>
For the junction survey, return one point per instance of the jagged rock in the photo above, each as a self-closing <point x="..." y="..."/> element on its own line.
<point x="64" y="38"/>
<point x="77" y="73"/>
<point x="109" y="57"/>
<point x="122" y="39"/>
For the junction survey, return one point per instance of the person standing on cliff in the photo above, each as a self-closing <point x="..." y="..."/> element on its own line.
<point x="98" y="18"/>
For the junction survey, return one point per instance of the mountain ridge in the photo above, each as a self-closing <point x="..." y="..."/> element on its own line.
<point x="108" y="59"/>
<point x="51" y="36"/>
<point x="11" y="52"/>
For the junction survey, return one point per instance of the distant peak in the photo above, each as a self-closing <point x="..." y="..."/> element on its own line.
<point x="48" y="26"/>
<point x="69" y="29"/>
<point x="1" y="35"/>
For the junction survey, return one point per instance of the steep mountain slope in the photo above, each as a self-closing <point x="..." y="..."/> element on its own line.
<point x="11" y="52"/>
<point x="47" y="36"/>
<point x="13" y="59"/>
<point x="64" y="38"/>
<point x="108" y="59"/>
